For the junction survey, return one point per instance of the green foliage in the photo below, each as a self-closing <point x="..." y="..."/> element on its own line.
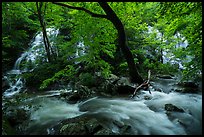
<point x="41" y="73"/>
<point x="98" y="65"/>
<point x="192" y="71"/>
<point x="87" y="79"/>
<point x="185" y="18"/>
<point x="98" y="35"/>
<point x="159" y="68"/>
<point x="64" y="75"/>
<point x="18" y="28"/>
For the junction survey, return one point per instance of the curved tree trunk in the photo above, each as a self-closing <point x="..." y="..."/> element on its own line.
<point x="122" y="41"/>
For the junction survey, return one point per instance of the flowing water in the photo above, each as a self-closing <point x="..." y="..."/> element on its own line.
<point x="145" y="113"/>
<point x="144" y="116"/>
<point x="34" y="53"/>
<point x="148" y="117"/>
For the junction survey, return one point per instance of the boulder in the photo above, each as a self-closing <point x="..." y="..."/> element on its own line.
<point x="170" y="107"/>
<point x="16" y="116"/>
<point x="80" y="126"/>
<point x="123" y="86"/>
<point x="187" y="87"/>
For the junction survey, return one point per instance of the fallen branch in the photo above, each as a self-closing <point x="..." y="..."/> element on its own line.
<point x="145" y="85"/>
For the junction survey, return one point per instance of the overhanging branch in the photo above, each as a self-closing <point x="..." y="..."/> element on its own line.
<point x="83" y="9"/>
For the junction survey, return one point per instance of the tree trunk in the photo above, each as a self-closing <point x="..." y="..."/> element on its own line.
<point x="122" y="42"/>
<point x="45" y="38"/>
<point x="161" y="51"/>
<point x="161" y="54"/>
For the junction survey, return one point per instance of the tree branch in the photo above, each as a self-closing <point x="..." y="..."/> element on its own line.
<point x="144" y="85"/>
<point x="83" y="9"/>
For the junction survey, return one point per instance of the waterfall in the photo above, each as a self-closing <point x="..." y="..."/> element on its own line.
<point x="35" y="52"/>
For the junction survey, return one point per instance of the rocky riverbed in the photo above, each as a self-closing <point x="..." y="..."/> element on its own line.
<point x="60" y="109"/>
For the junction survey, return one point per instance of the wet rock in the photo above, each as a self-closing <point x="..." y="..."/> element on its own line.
<point x="16" y="116"/>
<point x="147" y="97"/>
<point x="80" y="126"/>
<point x="107" y="87"/>
<point x="80" y="92"/>
<point x="126" y="130"/>
<point x="73" y="129"/>
<point x="170" y="107"/>
<point x="73" y="98"/>
<point x="187" y="87"/>
<point x="92" y="127"/>
<point x="104" y="132"/>
<point x="117" y="85"/>
<point x="123" y="81"/>
<point x="188" y="84"/>
<point x="163" y="85"/>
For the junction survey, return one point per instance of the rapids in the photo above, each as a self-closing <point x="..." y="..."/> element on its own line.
<point x="144" y="116"/>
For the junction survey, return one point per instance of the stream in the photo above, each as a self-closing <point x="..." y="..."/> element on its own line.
<point x="146" y="114"/>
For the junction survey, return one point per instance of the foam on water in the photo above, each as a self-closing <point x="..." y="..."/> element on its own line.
<point x="145" y="117"/>
<point x="148" y="117"/>
<point x="35" y="52"/>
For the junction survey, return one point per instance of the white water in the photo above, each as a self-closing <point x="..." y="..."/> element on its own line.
<point x="145" y="117"/>
<point x="52" y="110"/>
<point x="35" y="52"/>
<point x="148" y="117"/>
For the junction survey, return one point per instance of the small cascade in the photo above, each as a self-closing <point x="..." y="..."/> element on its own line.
<point x="27" y="62"/>
<point x="148" y="116"/>
<point x="144" y="115"/>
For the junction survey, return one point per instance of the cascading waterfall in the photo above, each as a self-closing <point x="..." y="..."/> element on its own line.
<point x="36" y="51"/>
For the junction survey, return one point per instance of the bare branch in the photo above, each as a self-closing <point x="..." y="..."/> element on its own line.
<point x="83" y="9"/>
<point x="149" y="73"/>
<point x="143" y="85"/>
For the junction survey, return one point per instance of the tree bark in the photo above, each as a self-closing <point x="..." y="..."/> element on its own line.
<point x="45" y="37"/>
<point x="161" y="51"/>
<point x="122" y="41"/>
